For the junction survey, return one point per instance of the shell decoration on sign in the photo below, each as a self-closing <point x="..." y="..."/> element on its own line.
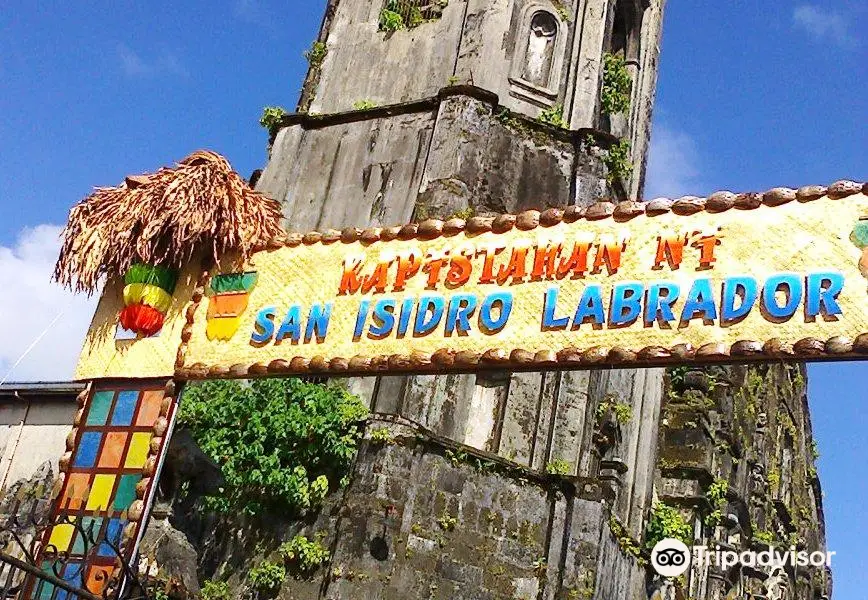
<point x="228" y="297"/>
<point x="147" y="296"/>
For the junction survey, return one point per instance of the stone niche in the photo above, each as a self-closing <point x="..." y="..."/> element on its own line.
<point x="537" y="62"/>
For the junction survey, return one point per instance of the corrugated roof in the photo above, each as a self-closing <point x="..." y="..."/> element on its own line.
<point x="41" y="388"/>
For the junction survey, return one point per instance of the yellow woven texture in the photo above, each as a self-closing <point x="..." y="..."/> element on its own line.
<point x="796" y="237"/>
<point x="103" y="356"/>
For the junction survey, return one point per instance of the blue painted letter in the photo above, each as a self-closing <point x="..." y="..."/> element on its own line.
<point x="549" y="303"/>
<point x="792" y="287"/>
<point x="265" y="324"/>
<point x="490" y="325"/>
<point x="626" y="303"/>
<point x="742" y="288"/>
<point x="823" y="299"/>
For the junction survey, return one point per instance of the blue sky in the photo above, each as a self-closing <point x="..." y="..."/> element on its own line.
<point x="751" y="95"/>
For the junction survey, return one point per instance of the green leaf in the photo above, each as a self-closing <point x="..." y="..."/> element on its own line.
<point x="279" y="442"/>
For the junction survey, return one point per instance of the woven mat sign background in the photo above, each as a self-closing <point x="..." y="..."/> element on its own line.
<point x="636" y="284"/>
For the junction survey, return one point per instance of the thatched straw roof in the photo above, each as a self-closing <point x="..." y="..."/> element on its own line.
<point x="163" y="219"/>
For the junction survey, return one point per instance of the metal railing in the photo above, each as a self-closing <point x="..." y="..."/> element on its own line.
<point x="31" y="567"/>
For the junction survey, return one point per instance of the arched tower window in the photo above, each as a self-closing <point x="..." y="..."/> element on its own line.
<point x="621" y="65"/>
<point x="626" y="29"/>
<point x="539" y="54"/>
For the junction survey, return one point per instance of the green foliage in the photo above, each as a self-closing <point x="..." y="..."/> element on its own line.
<point x="617" y="85"/>
<point x="382" y="435"/>
<point x="717" y="492"/>
<point x="618" y="161"/>
<point x="625" y="541"/>
<point x="559" y="467"/>
<point x="316" y="54"/>
<point x="464" y="213"/>
<point x="666" y="522"/>
<point x="280" y="443"/>
<point x="716" y="496"/>
<point x="623" y="412"/>
<point x="774" y="479"/>
<point x="364" y="104"/>
<point x="815" y="451"/>
<point x="271" y="118"/>
<point x="394" y="16"/>
<point x="161" y="595"/>
<point x="676" y="376"/>
<point x="391" y="20"/>
<point x="554" y="116"/>
<point x="563" y="11"/>
<point x="267" y="576"/>
<point x="304" y="554"/>
<point x="766" y="537"/>
<point x="215" y="590"/>
<point x="456" y="457"/>
<point x="414" y="17"/>
<point x="447" y="522"/>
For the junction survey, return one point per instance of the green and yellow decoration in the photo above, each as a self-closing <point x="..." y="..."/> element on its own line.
<point x="148" y="293"/>
<point x="228" y="297"/>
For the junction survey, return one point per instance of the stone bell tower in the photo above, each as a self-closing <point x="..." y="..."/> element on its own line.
<point x="507" y="485"/>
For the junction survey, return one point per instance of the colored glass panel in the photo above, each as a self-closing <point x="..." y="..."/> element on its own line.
<point x="88" y="447"/>
<point x="45" y="590"/>
<point x="76" y="490"/>
<point x="113" y="449"/>
<point x="126" y="493"/>
<point x="61" y="536"/>
<point x="85" y="539"/>
<point x="113" y="537"/>
<point x="100" y="405"/>
<point x="125" y="408"/>
<point x="72" y="574"/>
<point x="97" y="577"/>
<point x="100" y="492"/>
<point x="149" y="408"/>
<point x="138" y="452"/>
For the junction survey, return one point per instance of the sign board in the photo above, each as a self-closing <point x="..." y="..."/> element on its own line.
<point x="746" y="277"/>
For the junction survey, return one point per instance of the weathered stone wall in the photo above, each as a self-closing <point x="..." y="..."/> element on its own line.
<point x="359" y="172"/>
<point x="424" y="517"/>
<point x="749" y="427"/>
<point x="457" y="152"/>
<point x="535" y="55"/>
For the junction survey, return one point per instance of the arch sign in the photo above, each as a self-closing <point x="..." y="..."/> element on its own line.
<point x="731" y="277"/>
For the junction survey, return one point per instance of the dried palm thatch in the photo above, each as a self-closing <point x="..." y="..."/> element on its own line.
<point x="163" y="219"/>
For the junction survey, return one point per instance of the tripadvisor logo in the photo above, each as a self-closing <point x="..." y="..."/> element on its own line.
<point x="671" y="557"/>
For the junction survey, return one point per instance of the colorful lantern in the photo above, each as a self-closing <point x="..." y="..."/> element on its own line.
<point x="229" y="294"/>
<point x="147" y="297"/>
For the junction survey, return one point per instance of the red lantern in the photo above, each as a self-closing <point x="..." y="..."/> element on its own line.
<point x="141" y="318"/>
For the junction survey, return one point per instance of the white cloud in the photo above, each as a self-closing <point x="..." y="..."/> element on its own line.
<point x="822" y="24"/>
<point x="673" y="168"/>
<point x="133" y="65"/>
<point x="29" y="302"/>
